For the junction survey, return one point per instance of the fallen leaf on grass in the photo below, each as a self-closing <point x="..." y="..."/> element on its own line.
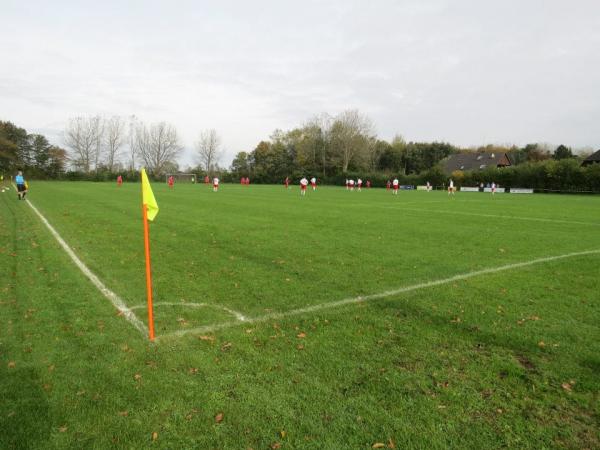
<point x="541" y="344"/>
<point x="378" y="445"/>
<point x="137" y="377"/>
<point x="533" y="318"/>
<point x="206" y="338"/>
<point x="154" y="436"/>
<point x="219" y="418"/>
<point x="226" y="346"/>
<point x="275" y="445"/>
<point x="123" y="413"/>
<point x="63" y="429"/>
<point x="391" y="443"/>
<point x="193" y="370"/>
<point x="301" y="335"/>
<point x="566" y="387"/>
<point x="11" y="364"/>
<point x="300" y="347"/>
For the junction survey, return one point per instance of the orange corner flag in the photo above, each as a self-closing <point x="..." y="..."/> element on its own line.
<point x="148" y="197"/>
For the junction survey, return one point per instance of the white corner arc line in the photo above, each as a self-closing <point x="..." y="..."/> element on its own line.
<point x="110" y="295"/>
<point x="239" y="316"/>
<point x="360" y="299"/>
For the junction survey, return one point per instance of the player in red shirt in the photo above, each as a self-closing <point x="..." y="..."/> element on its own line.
<point x="170" y="181"/>
<point x="119" y="180"/>
<point x="368" y="184"/>
<point x="388" y="185"/>
<point x="206" y="179"/>
<point x="287" y="182"/>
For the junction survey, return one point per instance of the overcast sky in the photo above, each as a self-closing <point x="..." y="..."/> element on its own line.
<point x="462" y="71"/>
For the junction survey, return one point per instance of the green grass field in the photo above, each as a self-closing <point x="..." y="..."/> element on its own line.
<point x="506" y="358"/>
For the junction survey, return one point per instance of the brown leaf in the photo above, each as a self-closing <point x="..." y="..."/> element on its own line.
<point x="226" y="346"/>
<point x="123" y="413"/>
<point x="193" y="370"/>
<point x="391" y="443"/>
<point x="11" y="364"/>
<point x="301" y="335"/>
<point x="378" y="445"/>
<point x="154" y="436"/>
<point x="566" y="387"/>
<point x="206" y="338"/>
<point x="219" y="418"/>
<point x="541" y="344"/>
<point x="534" y="318"/>
<point x="137" y="377"/>
<point x="300" y="347"/>
<point x="63" y="428"/>
<point x="275" y="445"/>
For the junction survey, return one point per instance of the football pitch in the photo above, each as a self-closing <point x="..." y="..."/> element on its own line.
<point x="337" y="320"/>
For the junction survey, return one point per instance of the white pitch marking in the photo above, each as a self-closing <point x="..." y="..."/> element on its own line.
<point x="366" y="298"/>
<point x="110" y="295"/>
<point x="495" y="216"/>
<point x="237" y="315"/>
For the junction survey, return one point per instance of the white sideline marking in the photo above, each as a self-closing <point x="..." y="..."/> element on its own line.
<point x="360" y="299"/>
<point x="495" y="216"/>
<point x="114" y="298"/>
<point x="237" y="315"/>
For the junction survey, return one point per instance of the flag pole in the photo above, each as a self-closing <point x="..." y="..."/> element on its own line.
<point x="148" y="272"/>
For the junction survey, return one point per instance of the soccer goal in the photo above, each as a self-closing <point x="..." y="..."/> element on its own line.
<point x="182" y="177"/>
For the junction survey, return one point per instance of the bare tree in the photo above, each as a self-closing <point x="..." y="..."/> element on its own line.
<point x="350" y="135"/>
<point x="83" y="136"/>
<point x="319" y="128"/>
<point x="157" y="146"/>
<point x="114" y="138"/>
<point x="132" y="135"/>
<point x="208" y="150"/>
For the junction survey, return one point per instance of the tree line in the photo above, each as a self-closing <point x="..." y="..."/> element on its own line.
<point x="329" y="147"/>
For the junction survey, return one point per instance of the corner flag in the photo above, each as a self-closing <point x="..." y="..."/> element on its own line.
<point x="148" y="197"/>
<point x="149" y="212"/>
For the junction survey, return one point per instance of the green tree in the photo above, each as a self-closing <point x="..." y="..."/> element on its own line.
<point x="562" y="152"/>
<point x="240" y="165"/>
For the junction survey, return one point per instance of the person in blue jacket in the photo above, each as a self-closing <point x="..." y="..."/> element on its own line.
<point x="21" y="185"/>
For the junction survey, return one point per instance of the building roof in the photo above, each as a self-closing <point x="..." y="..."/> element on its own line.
<point x="475" y="161"/>
<point x="593" y="158"/>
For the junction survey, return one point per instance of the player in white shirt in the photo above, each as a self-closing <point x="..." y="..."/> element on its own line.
<point x="313" y="183"/>
<point x="351" y="182"/>
<point x="395" y="185"/>
<point x="215" y="184"/>
<point x="303" y="184"/>
<point x="359" y="183"/>
<point x="428" y="186"/>
<point x="451" y="187"/>
<point x="493" y="188"/>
